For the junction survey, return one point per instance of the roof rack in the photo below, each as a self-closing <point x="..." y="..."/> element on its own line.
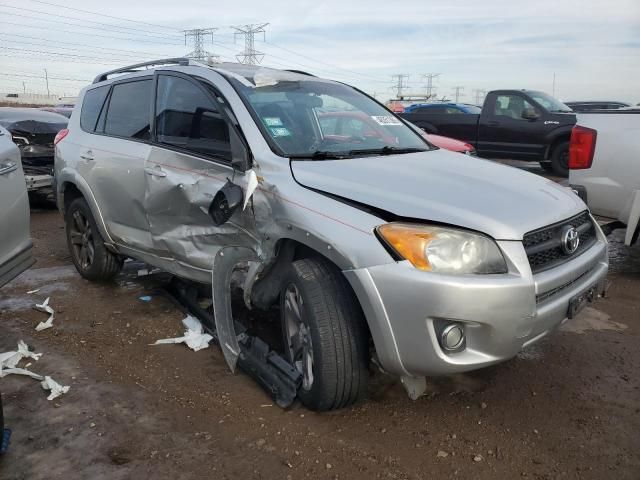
<point x="134" y="68"/>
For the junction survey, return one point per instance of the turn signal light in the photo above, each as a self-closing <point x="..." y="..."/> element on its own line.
<point x="582" y="147"/>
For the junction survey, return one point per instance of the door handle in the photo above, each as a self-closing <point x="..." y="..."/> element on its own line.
<point x="493" y="124"/>
<point x="88" y="155"/>
<point x="7" y="167"/>
<point x="157" y="171"/>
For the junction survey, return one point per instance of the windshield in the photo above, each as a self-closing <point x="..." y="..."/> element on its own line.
<point x="548" y="102"/>
<point x="306" y="117"/>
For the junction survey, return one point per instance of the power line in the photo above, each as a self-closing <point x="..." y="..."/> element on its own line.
<point x="199" y="53"/>
<point x="479" y="95"/>
<point x="324" y="63"/>
<point x="154" y="34"/>
<point x="84" y="45"/>
<point x="89" y="27"/>
<point x="250" y="55"/>
<point x="104" y="15"/>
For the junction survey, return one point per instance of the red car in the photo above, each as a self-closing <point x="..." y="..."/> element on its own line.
<point x="344" y="125"/>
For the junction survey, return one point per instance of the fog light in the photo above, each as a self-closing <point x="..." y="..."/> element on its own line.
<point x="452" y="337"/>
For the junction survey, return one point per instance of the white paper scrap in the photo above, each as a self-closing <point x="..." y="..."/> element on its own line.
<point x="194" y="336"/>
<point x="56" y="389"/>
<point x="44" y="307"/>
<point x="11" y="359"/>
<point x="31" y="292"/>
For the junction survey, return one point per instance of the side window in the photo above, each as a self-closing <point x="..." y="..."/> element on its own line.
<point x="511" y="106"/>
<point x="91" y="106"/>
<point x="129" y="110"/>
<point x="186" y="118"/>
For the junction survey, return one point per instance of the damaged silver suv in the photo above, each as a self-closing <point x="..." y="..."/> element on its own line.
<point x="376" y="245"/>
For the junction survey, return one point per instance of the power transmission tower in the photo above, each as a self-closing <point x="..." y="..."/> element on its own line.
<point x="199" y="53"/>
<point x="430" y="77"/>
<point x="479" y="94"/>
<point x="458" y="89"/>
<point x="250" y="55"/>
<point x="400" y="83"/>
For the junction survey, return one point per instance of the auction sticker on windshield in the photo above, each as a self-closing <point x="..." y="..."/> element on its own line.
<point x="386" y="120"/>
<point x="280" y="132"/>
<point x="272" y="121"/>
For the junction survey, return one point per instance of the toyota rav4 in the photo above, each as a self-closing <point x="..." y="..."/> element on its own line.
<point x="375" y="247"/>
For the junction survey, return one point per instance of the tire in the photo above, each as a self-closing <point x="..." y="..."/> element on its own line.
<point x="560" y="159"/>
<point x="333" y="321"/>
<point x="96" y="263"/>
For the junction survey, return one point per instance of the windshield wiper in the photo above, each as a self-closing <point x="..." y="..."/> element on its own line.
<point x="387" y="150"/>
<point x="321" y="155"/>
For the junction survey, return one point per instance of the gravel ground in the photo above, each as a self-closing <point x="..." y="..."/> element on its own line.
<point x="567" y="408"/>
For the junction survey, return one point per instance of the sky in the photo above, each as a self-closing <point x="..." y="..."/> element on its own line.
<point x="592" y="47"/>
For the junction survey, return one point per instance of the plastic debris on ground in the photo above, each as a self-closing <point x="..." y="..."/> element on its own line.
<point x="146" y="298"/>
<point x="44" y="307"/>
<point x="31" y="292"/>
<point x="10" y="360"/>
<point x="56" y="389"/>
<point x="194" y="336"/>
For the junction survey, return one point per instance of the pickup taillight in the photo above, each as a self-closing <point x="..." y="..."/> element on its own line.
<point x="60" y="135"/>
<point x="582" y="147"/>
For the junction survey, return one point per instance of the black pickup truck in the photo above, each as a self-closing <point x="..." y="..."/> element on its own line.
<point x="518" y="124"/>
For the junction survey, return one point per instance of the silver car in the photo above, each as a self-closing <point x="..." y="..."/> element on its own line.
<point x="375" y="246"/>
<point x="15" y="236"/>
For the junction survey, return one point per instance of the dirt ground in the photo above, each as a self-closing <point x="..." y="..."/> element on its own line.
<point x="567" y="408"/>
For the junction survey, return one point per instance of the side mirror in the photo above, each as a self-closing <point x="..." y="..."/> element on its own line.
<point x="225" y="202"/>
<point x="530" y="114"/>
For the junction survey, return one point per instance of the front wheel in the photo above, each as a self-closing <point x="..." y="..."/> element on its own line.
<point x="88" y="252"/>
<point x="325" y="336"/>
<point x="560" y="159"/>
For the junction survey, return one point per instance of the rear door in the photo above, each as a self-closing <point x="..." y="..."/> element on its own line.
<point x="112" y="160"/>
<point x="15" y="238"/>
<point x="502" y="132"/>
<point x="189" y="162"/>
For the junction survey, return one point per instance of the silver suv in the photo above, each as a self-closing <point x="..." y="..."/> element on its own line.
<point x="375" y="244"/>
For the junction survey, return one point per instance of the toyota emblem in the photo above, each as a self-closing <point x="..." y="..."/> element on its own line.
<point x="570" y="240"/>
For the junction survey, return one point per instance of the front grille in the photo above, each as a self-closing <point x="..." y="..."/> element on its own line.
<point x="544" y="246"/>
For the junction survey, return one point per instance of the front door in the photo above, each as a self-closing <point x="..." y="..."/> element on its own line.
<point x="15" y="238"/>
<point x="503" y="132"/>
<point x="190" y="161"/>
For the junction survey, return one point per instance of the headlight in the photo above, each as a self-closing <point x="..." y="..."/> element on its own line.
<point x="443" y="250"/>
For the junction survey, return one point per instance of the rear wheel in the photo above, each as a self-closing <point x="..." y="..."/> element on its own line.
<point x="325" y="336"/>
<point x="88" y="252"/>
<point x="560" y="159"/>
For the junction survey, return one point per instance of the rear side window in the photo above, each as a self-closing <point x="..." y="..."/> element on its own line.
<point x="186" y="118"/>
<point x="129" y="110"/>
<point x="91" y="106"/>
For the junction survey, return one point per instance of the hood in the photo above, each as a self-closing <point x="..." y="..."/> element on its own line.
<point x="445" y="187"/>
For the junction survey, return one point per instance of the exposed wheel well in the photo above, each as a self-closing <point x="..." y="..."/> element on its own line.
<point x="69" y="193"/>
<point x="266" y="290"/>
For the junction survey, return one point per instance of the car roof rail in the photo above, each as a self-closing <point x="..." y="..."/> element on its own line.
<point x="134" y="68"/>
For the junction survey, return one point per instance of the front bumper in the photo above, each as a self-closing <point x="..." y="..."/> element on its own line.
<point x="501" y="313"/>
